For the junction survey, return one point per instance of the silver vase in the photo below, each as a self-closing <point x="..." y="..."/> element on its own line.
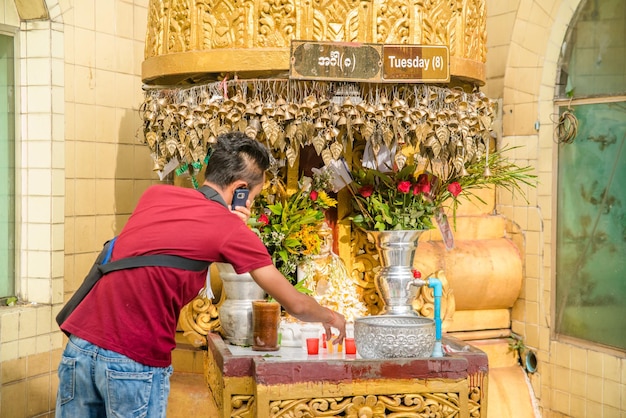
<point x="395" y="282"/>
<point x="235" y="312"/>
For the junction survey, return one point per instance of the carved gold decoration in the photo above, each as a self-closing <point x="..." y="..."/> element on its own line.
<point x="197" y="319"/>
<point x="406" y="404"/>
<point x="443" y="126"/>
<point x="191" y="41"/>
<point x="243" y="406"/>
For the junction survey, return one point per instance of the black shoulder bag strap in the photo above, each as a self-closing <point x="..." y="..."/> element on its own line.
<point x="102" y="266"/>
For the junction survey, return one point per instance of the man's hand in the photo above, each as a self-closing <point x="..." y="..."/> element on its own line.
<point x="243" y="212"/>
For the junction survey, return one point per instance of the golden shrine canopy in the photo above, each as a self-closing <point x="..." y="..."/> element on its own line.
<point x="189" y="42"/>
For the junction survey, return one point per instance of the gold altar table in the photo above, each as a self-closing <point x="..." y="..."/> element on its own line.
<point x="290" y="383"/>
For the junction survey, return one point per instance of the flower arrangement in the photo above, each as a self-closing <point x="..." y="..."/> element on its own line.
<point x="288" y="223"/>
<point x="409" y="198"/>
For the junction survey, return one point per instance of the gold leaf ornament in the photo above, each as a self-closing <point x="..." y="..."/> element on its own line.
<point x="336" y="149"/>
<point x="327" y="156"/>
<point x="271" y="130"/>
<point x="400" y="160"/>
<point x="151" y="138"/>
<point x="291" y="155"/>
<point x="319" y="143"/>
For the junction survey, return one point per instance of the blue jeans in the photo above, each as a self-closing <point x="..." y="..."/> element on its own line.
<point x="94" y="383"/>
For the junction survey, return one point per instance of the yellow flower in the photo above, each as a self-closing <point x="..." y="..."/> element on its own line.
<point x="326" y="200"/>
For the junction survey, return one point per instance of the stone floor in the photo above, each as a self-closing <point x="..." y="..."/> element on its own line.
<point x="189" y="393"/>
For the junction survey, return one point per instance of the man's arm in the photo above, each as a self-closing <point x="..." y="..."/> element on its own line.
<point x="301" y="306"/>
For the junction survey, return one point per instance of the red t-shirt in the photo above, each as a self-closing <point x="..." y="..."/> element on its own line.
<point x="135" y="312"/>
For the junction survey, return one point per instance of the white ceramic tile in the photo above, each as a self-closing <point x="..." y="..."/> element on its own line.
<point x="57" y="292"/>
<point x="106" y="51"/>
<point x="58" y="182"/>
<point x="39" y="100"/>
<point x="57" y="69"/>
<point x="38" y="43"/>
<point x="9" y="326"/>
<point x="124" y="56"/>
<point x="56" y="340"/>
<point x="123" y="19"/>
<point x="140" y="21"/>
<point x="106" y="127"/>
<point x="84" y="122"/>
<point x="43" y="343"/>
<point x="44" y="320"/>
<point x="69" y="50"/>
<point x="39" y="127"/>
<point x="38" y="209"/>
<point x="58" y="258"/>
<point x="39" y="291"/>
<point x="39" y="244"/>
<point x="125" y="88"/>
<point x="8" y="351"/>
<point x="58" y="100"/>
<point x="84" y="85"/>
<point x="58" y="136"/>
<point x="84" y="14"/>
<point x="9" y="14"/>
<point x="57" y="43"/>
<point x="39" y="260"/>
<point x="55" y="14"/>
<point x="23" y="102"/>
<point x="43" y="24"/>
<point x="39" y="182"/>
<point x="27" y="323"/>
<point x="38" y="72"/>
<point x="106" y="93"/>
<point x="84" y="44"/>
<point x="105" y="16"/>
<point x="27" y="347"/>
<point x="58" y="237"/>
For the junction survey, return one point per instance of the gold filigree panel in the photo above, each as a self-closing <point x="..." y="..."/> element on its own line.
<point x="424" y="405"/>
<point x="183" y="26"/>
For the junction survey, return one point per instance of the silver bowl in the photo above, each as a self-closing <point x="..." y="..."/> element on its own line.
<point x="393" y="336"/>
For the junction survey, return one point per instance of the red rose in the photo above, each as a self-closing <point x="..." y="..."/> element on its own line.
<point x="404" y="186"/>
<point x="423" y="184"/>
<point x="366" y="191"/>
<point x="264" y="219"/>
<point x="416" y="274"/>
<point x="313" y="195"/>
<point x="454" y="188"/>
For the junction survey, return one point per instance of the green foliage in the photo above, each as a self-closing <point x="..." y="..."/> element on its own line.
<point x="410" y="197"/>
<point x="289" y="226"/>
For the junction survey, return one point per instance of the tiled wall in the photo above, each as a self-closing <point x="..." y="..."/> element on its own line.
<point x="81" y="171"/>
<point x="524" y="40"/>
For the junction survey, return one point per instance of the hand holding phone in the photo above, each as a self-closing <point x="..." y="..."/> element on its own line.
<point x="240" y="197"/>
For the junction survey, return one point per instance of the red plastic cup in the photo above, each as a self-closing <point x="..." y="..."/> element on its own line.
<point x="312" y="345"/>
<point x="349" y="345"/>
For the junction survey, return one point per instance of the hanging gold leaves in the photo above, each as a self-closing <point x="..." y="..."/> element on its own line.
<point x="436" y="122"/>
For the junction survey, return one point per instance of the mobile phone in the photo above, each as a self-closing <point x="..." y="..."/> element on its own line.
<point x="240" y="197"/>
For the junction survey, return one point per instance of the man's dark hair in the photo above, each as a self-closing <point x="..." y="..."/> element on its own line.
<point x="236" y="156"/>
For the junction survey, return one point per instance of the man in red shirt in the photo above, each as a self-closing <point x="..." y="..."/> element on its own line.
<point x="118" y="358"/>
